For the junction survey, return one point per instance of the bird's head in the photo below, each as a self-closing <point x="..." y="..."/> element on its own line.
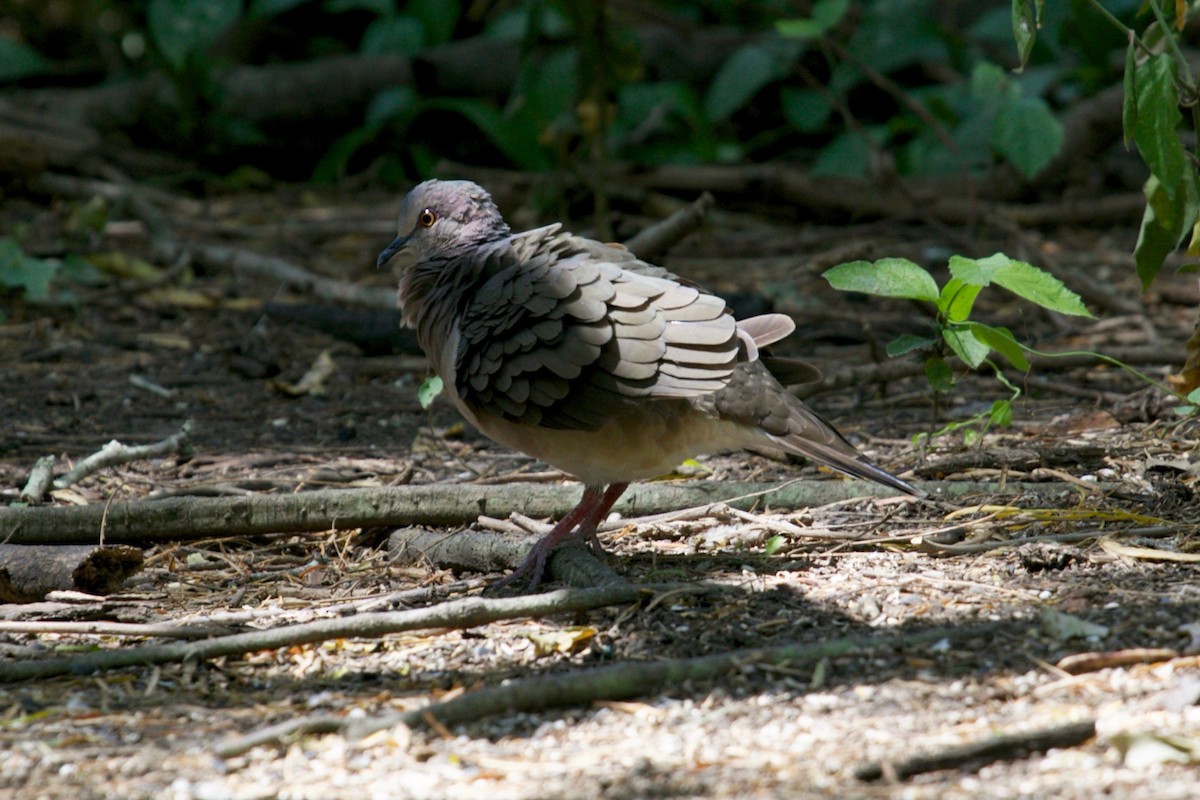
<point x="443" y="218"/>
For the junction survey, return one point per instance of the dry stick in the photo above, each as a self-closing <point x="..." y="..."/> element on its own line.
<point x="115" y="453"/>
<point x="467" y="612"/>
<point x="168" y="630"/>
<point x="1080" y="663"/>
<point x="1155" y="531"/>
<point x="246" y="261"/>
<point x="488" y="552"/>
<point x="661" y="236"/>
<point x="610" y="682"/>
<point x="39" y="481"/>
<point x="976" y="755"/>
<point x="190" y="518"/>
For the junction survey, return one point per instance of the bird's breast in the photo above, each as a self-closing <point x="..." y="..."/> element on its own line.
<point x="644" y="444"/>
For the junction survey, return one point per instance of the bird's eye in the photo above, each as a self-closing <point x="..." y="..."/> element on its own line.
<point x="427" y="218"/>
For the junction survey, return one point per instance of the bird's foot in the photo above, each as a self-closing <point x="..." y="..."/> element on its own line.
<point x="531" y="570"/>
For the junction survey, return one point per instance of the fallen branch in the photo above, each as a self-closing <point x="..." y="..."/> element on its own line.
<point x="101" y="628"/>
<point x="658" y="238"/>
<point x="485" y="551"/>
<point x="40" y="478"/>
<point x="1156" y="531"/>
<point x="190" y="518"/>
<point x="467" y="612"/>
<point x="115" y="453"/>
<point x="1079" y="663"/>
<point x="610" y="682"/>
<point x="976" y="755"/>
<point x="28" y="574"/>
<point x="251" y="263"/>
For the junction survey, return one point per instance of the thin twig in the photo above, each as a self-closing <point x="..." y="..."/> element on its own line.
<point x="40" y="478"/>
<point x="976" y="755"/>
<point x="467" y="612"/>
<point x="170" y="631"/>
<point x="115" y="453"/>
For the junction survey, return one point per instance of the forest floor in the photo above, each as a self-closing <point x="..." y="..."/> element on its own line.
<point x="1091" y="549"/>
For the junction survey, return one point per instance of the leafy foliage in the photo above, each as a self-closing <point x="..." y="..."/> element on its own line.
<point x="1157" y="76"/>
<point x="954" y="332"/>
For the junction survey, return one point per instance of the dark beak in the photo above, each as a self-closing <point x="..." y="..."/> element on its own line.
<point x="390" y="251"/>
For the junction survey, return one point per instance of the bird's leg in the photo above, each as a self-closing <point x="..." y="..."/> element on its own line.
<point x="587" y="528"/>
<point x="579" y="522"/>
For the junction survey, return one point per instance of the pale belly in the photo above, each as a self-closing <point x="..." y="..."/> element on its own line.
<point x="635" y="447"/>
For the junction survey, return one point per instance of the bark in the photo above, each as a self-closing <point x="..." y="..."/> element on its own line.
<point x="487" y="551"/>
<point x="29" y="573"/>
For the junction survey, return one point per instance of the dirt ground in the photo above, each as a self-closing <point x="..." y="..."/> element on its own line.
<point x="1017" y="588"/>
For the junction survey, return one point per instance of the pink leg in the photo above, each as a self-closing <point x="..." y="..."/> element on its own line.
<point x="579" y="523"/>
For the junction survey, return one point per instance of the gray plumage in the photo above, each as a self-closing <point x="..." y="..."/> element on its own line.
<point x="578" y="353"/>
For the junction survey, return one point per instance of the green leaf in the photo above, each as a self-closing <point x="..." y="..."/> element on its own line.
<point x="847" y="155"/>
<point x="440" y="17"/>
<point x="887" y="277"/>
<point x="1001" y="413"/>
<point x="1022" y="279"/>
<point x="431" y="387"/>
<point x="332" y="166"/>
<point x="1027" y="133"/>
<point x="1002" y="341"/>
<point x="25" y="273"/>
<point x="938" y="374"/>
<point x="806" y="110"/>
<point x="517" y="142"/>
<point x="1157" y="121"/>
<point x="966" y="346"/>
<point x="404" y="36"/>
<point x="19" y="60"/>
<point x="825" y="15"/>
<point x="747" y="70"/>
<point x="1164" y="224"/>
<point x="183" y="28"/>
<point x="907" y="342"/>
<point x="1129" y="104"/>
<point x="390" y="105"/>
<point x="989" y="83"/>
<point x="1026" y="19"/>
<point x="957" y="299"/>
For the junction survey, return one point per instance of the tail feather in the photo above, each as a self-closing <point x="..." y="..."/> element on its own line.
<point x="845" y="459"/>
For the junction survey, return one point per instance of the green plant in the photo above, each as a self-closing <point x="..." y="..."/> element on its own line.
<point x="954" y="332"/>
<point x="34" y="278"/>
<point x="1158" y="80"/>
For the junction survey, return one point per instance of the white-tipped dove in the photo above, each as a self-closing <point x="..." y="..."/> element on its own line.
<point x="579" y="354"/>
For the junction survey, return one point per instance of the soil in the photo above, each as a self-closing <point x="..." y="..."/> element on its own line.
<point x="1018" y="589"/>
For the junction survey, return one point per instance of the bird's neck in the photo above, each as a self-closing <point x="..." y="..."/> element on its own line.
<point x="431" y="290"/>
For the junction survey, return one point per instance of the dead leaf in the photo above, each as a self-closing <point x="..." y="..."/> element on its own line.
<point x="171" y="341"/>
<point x="566" y="640"/>
<point x="1062" y="626"/>
<point x="69" y="496"/>
<point x="313" y="381"/>
<point x="1115" y="548"/>
<point x="1147" y="749"/>
<point x="123" y="266"/>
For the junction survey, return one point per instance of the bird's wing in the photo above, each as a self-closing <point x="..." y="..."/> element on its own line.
<point x="564" y="334"/>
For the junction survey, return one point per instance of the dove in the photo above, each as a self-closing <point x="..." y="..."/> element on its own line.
<point x="579" y="354"/>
